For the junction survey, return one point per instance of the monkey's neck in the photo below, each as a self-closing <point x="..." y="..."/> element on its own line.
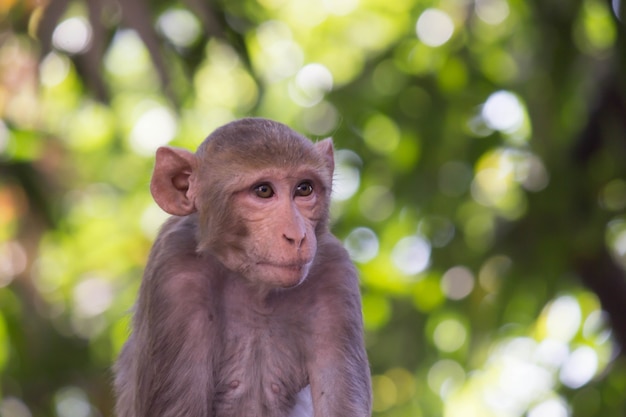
<point x="267" y="298"/>
<point x="254" y="296"/>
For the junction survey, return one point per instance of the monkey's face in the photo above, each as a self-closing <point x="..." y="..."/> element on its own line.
<point x="275" y="216"/>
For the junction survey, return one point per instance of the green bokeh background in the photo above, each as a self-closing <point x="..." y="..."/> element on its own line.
<point x="480" y="184"/>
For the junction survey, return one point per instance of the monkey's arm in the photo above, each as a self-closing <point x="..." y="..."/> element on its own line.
<point x="174" y="331"/>
<point x="339" y="371"/>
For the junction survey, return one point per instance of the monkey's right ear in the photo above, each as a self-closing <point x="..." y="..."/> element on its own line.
<point x="172" y="184"/>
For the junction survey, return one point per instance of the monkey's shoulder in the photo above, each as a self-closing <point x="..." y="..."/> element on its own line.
<point x="331" y="251"/>
<point x="333" y="271"/>
<point x="174" y="253"/>
<point x="332" y="259"/>
<point x="178" y="233"/>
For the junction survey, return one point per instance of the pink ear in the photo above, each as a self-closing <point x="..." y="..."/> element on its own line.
<point x="172" y="181"/>
<point x="325" y="148"/>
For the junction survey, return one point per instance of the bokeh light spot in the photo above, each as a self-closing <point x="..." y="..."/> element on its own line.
<point x="579" y="368"/>
<point x="347" y="174"/>
<point x="617" y="8"/>
<point x="491" y="185"/>
<point x="385" y="393"/>
<point x="439" y="230"/>
<point x="457" y="282"/>
<point x="93" y="296"/>
<point x="616" y="240"/>
<point x="92" y="127"/>
<point x="503" y="111"/>
<point x="72" y="402"/>
<point x="13" y="261"/>
<point x="445" y="376"/>
<point x="4" y="136"/>
<point x="434" y="27"/>
<point x="310" y="85"/>
<point x="53" y="69"/>
<point x="280" y="56"/>
<point x="596" y="327"/>
<point x="127" y="56"/>
<point x="72" y="35"/>
<point x="180" y="26"/>
<point x="362" y="244"/>
<point x="551" y="353"/>
<point x="320" y="119"/>
<point x="155" y="127"/>
<point x="595" y="32"/>
<point x="152" y="219"/>
<point x="563" y="318"/>
<point x="449" y="335"/>
<point x="613" y="195"/>
<point x="405" y="383"/>
<point x="376" y="203"/>
<point x="550" y="408"/>
<point x="530" y="172"/>
<point x="381" y="134"/>
<point x="492" y="272"/>
<point x="14" y="407"/>
<point x="411" y="255"/>
<point x="340" y="7"/>
<point x="492" y="12"/>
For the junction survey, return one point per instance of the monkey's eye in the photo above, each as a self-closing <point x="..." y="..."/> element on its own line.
<point x="264" y="191"/>
<point x="304" y="189"/>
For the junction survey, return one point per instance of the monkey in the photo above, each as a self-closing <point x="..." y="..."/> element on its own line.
<point x="248" y="306"/>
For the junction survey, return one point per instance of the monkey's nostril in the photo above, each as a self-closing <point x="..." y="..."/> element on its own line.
<point x="296" y="242"/>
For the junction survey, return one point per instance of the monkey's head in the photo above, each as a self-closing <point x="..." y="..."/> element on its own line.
<point x="261" y="192"/>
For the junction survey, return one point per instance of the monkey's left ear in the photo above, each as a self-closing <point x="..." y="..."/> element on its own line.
<point x="325" y="148"/>
<point x="172" y="182"/>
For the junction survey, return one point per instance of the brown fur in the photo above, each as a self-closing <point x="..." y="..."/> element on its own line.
<point x="245" y="301"/>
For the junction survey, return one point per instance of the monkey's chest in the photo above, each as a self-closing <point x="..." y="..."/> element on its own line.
<point x="262" y="368"/>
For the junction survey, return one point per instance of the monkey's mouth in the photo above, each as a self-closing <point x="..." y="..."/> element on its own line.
<point x="288" y="271"/>
<point x="284" y="275"/>
<point x="295" y="267"/>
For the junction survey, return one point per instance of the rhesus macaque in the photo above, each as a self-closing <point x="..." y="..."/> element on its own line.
<point x="248" y="307"/>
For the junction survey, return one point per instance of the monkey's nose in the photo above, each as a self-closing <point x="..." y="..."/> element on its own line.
<point x="297" y="242"/>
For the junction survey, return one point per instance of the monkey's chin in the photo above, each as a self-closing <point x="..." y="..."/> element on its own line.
<point x="284" y="276"/>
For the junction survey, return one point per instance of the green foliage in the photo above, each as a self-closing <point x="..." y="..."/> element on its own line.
<point x="479" y="185"/>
